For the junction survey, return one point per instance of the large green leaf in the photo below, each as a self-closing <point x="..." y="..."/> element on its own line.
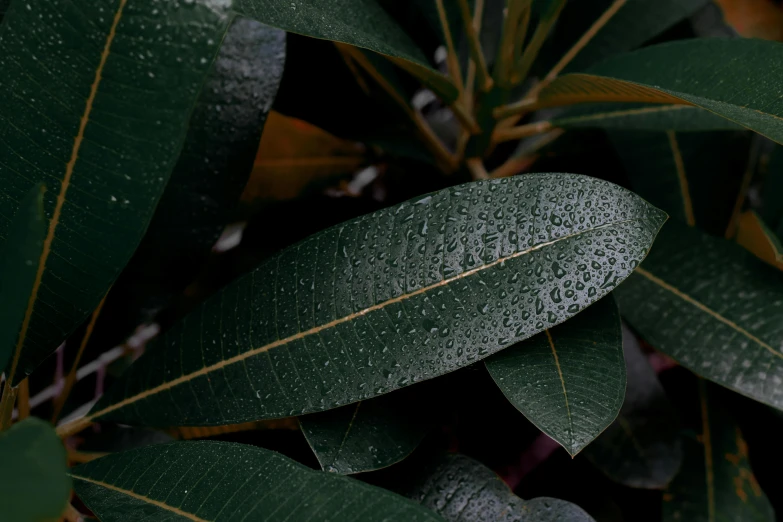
<point x="94" y="102"/>
<point x="388" y="299"/>
<point x="368" y="435"/>
<point x="695" y="177"/>
<point x="206" y="183"/>
<point x="19" y="254"/>
<point x="34" y="483"/>
<point x="635" y="116"/>
<point x="362" y="23"/>
<point x="219" y="481"/>
<point x="714" y="308"/>
<point x="569" y="380"/>
<point x="716" y="482"/>
<point x="684" y="72"/>
<point x="461" y="489"/>
<point x="642" y="448"/>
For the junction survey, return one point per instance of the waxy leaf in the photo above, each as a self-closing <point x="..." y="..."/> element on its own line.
<point x="641" y="449"/>
<point x="368" y="435"/>
<point x="89" y="110"/>
<point x="207" y="181"/>
<point x="220" y="481"/>
<point x="19" y="255"/>
<point x="34" y="484"/>
<point x="377" y="303"/>
<point x="715" y="482"/>
<point x="714" y="308"/>
<point x="569" y="380"/>
<point x="683" y="72"/>
<point x="635" y="116"/>
<point x="362" y="23"/>
<point x="461" y="489"/>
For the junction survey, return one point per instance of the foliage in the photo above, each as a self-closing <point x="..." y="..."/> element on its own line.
<point x="391" y="275"/>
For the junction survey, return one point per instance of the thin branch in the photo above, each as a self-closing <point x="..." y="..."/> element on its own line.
<point x="349" y="62"/>
<point x="747" y="178"/>
<point x="7" y="405"/>
<point x="478" y="16"/>
<point x="476" y="52"/>
<point x="523" y="131"/>
<point x="72" y="515"/>
<point x="465" y="118"/>
<point x="82" y="457"/>
<point x="477" y="169"/>
<point x="522" y="68"/>
<point x="507" y="50"/>
<point x="70" y="380"/>
<point x="451" y="58"/>
<point x="514" y="109"/>
<point x="525" y="155"/>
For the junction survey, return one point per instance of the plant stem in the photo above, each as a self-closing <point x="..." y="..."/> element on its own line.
<point x="73" y="427"/>
<point x="465" y="118"/>
<point x="7" y="405"/>
<point x="478" y="15"/>
<point x="514" y="109"/>
<point x="747" y="178"/>
<point x="82" y="457"/>
<point x="476" y="53"/>
<point x="23" y="399"/>
<point x="525" y="155"/>
<point x="523" y="131"/>
<point x="452" y="61"/>
<point x="70" y="380"/>
<point x="522" y="69"/>
<point x="515" y="12"/>
<point x="477" y="169"/>
<point x="71" y="514"/>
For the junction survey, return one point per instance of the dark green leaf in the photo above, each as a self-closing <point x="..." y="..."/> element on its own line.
<point x="694" y="176"/>
<point x="220" y="481"/>
<point x="634" y="116"/>
<point x="206" y="183"/>
<point x="19" y="255"/>
<point x="368" y="435"/>
<point x="716" y="482"/>
<point x="641" y="449"/>
<point x="34" y="484"/>
<point x="97" y="110"/>
<point x="362" y="23"/>
<point x="772" y="191"/>
<point x="714" y="308"/>
<point x="684" y="72"/>
<point x="388" y="299"/>
<point x="570" y="380"/>
<point x="461" y="489"/>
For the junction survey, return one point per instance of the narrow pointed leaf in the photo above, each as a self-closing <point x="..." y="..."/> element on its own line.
<point x="634" y="116"/>
<point x="642" y="448"/>
<point x="362" y="23"/>
<point x="726" y="329"/>
<point x="569" y="380"/>
<point x="716" y="482"/>
<point x="220" y="481"/>
<point x="34" y="484"/>
<point x="682" y="72"/>
<point x="461" y="489"/>
<point x="388" y="299"/>
<point x="89" y="110"/>
<point x="368" y="435"/>
<point x="19" y="255"/>
<point x="757" y="238"/>
<point x="693" y="176"/>
<point x="207" y="181"/>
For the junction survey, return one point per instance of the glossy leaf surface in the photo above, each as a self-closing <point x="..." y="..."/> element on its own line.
<point x="642" y="448"/>
<point x="681" y="72"/>
<point x="634" y="116"/>
<point x="391" y="298"/>
<point x="569" y="380"/>
<point x="368" y="435"/>
<point x="220" y="481"/>
<point x="34" y="485"/>
<point x="207" y="181"/>
<point x="19" y="255"/>
<point x="716" y="482"/>
<point x="362" y="23"/>
<point x="103" y="141"/>
<point x="461" y="489"/>
<point x="714" y="308"/>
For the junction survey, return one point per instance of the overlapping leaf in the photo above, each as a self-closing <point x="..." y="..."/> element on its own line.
<point x="757" y="238"/>
<point x="89" y="110"/>
<point x="385" y="300"/>
<point x="219" y="481"/>
<point x="684" y="72"/>
<point x="368" y="435"/>
<point x="19" y="255"/>
<point x="206" y="182"/>
<point x="635" y="116"/>
<point x="716" y="482"/>
<point x="714" y="308"/>
<point x="34" y="484"/>
<point x="461" y="489"/>
<point x="569" y="380"/>
<point x="642" y="448"/>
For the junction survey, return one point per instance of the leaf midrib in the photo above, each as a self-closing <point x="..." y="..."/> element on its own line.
<point x="316" y="330"/>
